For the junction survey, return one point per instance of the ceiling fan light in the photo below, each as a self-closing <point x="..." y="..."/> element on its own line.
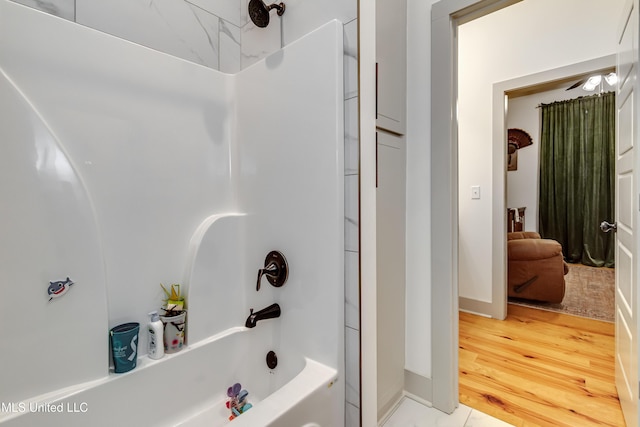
<point x="611" y="78"/>
<point x="592" y="83"/>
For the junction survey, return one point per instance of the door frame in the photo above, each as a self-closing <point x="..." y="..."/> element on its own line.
<point x="446" y="15"/>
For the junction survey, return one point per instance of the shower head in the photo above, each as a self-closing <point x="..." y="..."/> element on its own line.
<point x="259" y="12"/>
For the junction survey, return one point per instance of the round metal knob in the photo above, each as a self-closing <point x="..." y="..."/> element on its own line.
<point x="607" y="227"/>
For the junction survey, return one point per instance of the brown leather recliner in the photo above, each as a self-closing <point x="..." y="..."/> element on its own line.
<point x="536" y="267"/>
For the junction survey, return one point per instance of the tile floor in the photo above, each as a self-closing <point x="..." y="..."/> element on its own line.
<point x="410" y="413"/>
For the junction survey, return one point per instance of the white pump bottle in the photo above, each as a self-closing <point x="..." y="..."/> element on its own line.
<point x="156" y="341"/>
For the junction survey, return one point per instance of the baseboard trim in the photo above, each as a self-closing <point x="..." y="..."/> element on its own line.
<point x="385" y="412"/>
<point x="418" y="387"/>
<point x="476" y="307"/>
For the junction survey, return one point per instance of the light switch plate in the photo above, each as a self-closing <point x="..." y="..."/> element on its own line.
<point x="475" y="191"/>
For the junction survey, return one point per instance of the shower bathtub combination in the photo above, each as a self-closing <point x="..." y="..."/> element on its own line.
<point x="123" y="168"/>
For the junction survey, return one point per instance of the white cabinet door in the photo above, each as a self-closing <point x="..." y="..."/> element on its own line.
<point x="390" y="233"/>
<point x="391" y="58"/>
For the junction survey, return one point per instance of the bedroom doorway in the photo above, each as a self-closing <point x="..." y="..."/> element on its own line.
<point x="444" y="64"/>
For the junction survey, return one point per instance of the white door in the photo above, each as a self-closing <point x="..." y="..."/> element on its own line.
<point x="626" y="215"/>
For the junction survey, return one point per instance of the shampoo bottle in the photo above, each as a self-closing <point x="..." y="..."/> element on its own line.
<point x="156" y="341"/>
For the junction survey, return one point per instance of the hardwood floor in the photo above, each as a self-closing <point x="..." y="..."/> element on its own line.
<point x="539" y="368"/>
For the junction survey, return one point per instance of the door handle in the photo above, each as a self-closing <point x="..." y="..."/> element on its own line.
<point x="607" y="227"/>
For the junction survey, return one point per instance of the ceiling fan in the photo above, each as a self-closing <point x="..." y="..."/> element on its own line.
<point x="592" y="82"/>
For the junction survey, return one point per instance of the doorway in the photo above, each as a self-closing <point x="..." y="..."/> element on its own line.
<point x="588" y="290"/>
<point x="483" y="339"/>
<point x="445" y="178"/>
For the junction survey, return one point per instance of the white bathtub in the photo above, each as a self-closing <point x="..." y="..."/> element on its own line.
<point x="301" y="402"/>
<point x="189" y="389"/>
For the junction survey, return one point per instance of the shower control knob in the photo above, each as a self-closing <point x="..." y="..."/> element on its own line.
<point x="275" y="270"/>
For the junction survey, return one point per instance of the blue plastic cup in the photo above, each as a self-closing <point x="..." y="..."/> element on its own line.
<point x="124" y="346"/>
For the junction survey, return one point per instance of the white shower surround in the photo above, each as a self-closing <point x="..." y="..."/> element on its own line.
<point x="147" y="147"/>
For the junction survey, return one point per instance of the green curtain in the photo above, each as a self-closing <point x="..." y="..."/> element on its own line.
<point x="577" y="177"/>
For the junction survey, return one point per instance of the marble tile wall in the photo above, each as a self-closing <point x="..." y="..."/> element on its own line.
<point x="351" y="226"/>
<point x="63" y="8"/>
<point x="219" y="34"/>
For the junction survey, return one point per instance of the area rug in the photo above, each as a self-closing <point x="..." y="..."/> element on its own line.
<point x="589" y="293"/>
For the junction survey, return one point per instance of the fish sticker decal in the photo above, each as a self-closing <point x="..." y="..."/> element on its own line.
<point x="59" y="288"/>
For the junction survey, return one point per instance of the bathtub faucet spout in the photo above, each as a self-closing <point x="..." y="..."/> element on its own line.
<point x="270" y="312"/>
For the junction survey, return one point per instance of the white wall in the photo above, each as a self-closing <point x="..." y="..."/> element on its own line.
<point x="542" y="35"/>
<point x="37" y="249"/>
<point x="291" y="166"/>
<point x="152" y="165"/>
<point x="522" y="184"/>
<point x="418" y="222"/>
